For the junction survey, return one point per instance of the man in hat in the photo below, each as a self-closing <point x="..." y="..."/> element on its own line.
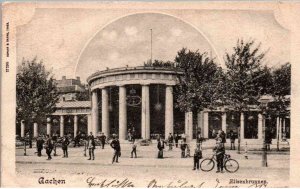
<point x="115" y="144"/>
<point x="91" y="146"/>
<point x="64" y="145"/>
<point x="220" y="151"/>
<point x="49" y="146"/>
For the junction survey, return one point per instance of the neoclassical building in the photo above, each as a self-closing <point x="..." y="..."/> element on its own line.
<point x="142" y="98"/>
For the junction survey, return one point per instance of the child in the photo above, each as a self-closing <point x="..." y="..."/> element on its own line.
<point x="197" y="157"/>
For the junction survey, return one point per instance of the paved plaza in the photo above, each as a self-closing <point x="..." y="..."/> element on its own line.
<point x="147" y="165"/>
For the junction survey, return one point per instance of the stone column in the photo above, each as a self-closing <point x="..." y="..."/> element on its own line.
<point x="205" y="124"/>
<point x="49" y="126"/>
<point x="105" y="113"/>
<point x="224" y="122"/>
<point x="75" y="125"/>
<point x="277" y="128"/>
<point x="95" y="113"/>
<point x="145" y="112"/>
<point x="22" y="128"/>
<point x="200" y="121"/>
<point x="189" y="126"/>
<point x="35" y="130"/>
<point x="260" y="125"/>
<point x="122" y="113"/>
<point x="89" y="124"/>
<point x="62" y="126"/>
<point x="242" y="119"/>
<point x="169" y="117"/>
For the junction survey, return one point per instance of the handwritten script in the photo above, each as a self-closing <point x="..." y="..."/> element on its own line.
<point x="93" y="182"/>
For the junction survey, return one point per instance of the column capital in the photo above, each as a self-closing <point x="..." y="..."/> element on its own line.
<point x="145" y="84"/>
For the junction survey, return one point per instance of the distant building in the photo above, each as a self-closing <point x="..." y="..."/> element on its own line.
<point x="68" y="88"/>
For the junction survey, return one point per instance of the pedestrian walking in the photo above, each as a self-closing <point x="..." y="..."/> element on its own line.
<point x="232" y="137"/>
<point x="39" y="145"/>
<point x="220" y="151"/>
<point x="170" y="141"/>
<point x="133" y="151"/>
<point x="197" y="157"/>
<point x="48" y="146"/>
<point x="115" y="144"/>
<point x="64" y="145"/>
<point x="91" y="146"/>
<point x="160" y="147"/>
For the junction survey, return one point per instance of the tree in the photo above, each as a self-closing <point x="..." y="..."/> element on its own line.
<point x="83" y="95"/>
<point x="246" y="79"/>
<point x="200" y="82"/>
<point x="36" y="92"/>
<point x="281" y="90"/>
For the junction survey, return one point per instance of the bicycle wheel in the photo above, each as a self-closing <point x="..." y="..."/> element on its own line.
<point x="231" y="165"/>
<point x="207" y="165"/>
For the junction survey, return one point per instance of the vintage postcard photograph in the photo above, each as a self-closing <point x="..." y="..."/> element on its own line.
<point x="150" y="94"/>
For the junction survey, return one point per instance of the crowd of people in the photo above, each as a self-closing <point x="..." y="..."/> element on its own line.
<point x="171" y="141"/>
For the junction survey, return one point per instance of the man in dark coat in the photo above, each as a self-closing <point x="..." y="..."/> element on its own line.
<point x="115" y="144"/>
<point x="232" y="140"/>
<point x="91" y="146"/>
<point x="103" y="140"/>
<point x="170" y="141"/>
<point x="197" y="157"/>
<point x="160" y="147"/>
<point x="176" y="140"/>
<point x="220" y="151"/>
<point x="49" y="147"/>
<point x="39" y="145"/>
<point x="64" y="145"/>
<point x="77" y="139"/>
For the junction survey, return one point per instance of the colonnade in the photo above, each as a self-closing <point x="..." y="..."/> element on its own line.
<point x="61" y="126"/>
<point x="145" y="113"/>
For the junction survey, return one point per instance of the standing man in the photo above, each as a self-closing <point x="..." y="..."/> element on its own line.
<point x="176" y="140"/>
<point x="197" y="157"/>
<point x="134" y="146"/>
<point x="54" y="139"/>
<point x="115" y="144"/>
<point x="160" y="147"/>
<point x="220" y="151"/>
<point x="103" y="140"/>
<point x="49" y="146"/>
<point x="64" y="145"/>
<point x="232" y="140"/>
<point x="170" y="141"/>
<point x="77" y="139"/>
<point x="91" y="146"/>
<point x="29" y="136"/>
<point x="39" y="145"/>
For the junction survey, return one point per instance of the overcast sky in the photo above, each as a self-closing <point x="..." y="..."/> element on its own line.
<point x="77" y="42"/>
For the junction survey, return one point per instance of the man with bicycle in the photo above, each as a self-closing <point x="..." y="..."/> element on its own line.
<point x="220" y="151"/>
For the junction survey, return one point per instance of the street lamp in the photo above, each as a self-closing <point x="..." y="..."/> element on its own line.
<point x="264" y="100"/>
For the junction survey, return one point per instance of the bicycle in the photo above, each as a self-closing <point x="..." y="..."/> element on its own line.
<point x="229" y="164"/>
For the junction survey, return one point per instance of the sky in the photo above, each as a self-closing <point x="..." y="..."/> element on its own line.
<point x="78" y="42"/>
